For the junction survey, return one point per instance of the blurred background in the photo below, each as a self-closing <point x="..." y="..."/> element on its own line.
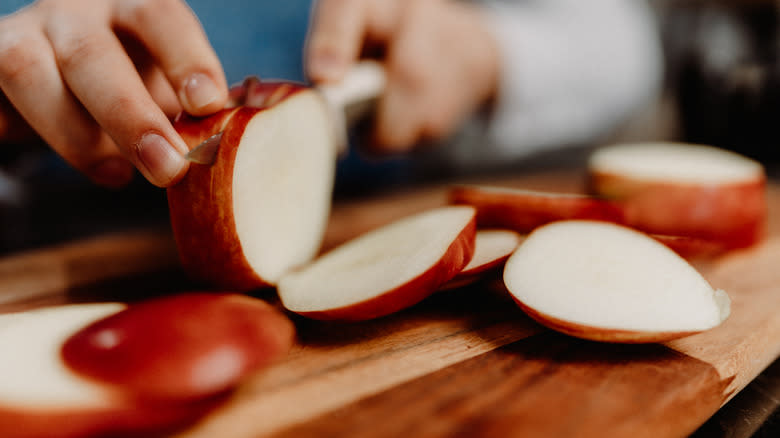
<point x="722" y="87"/>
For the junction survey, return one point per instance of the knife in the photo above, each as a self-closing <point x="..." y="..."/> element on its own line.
<point x="349" y="101"/>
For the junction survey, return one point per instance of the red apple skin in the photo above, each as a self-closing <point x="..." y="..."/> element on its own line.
<point x="735" y="214"/>
<point x="182" y="347"/>
<point x="194" y="130"/>
<point x="598" y="333"/>
<point x="523" y="211"/>
<point x="456" y="257"/>
<point x="253" y="92"/>
<point x="201" y="214"/>
<point x="265" y="94"/>
<point x="122" y="418"/>
<point x="693" y="248"/>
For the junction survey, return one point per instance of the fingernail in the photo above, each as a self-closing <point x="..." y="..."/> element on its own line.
<point x="199" y="91"/>
<point x="326" y="67"/>
<point x="162" y="161"/>
<point x="112" y="172"/>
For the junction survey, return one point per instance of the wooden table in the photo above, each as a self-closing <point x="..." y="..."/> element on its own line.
<point x="462" y="363"/>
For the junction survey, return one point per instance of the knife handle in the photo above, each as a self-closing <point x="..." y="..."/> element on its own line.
<point x="356" y="95"/>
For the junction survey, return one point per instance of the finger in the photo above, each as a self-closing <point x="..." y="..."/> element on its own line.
<point x="335" y="39"/>
<point x="153" y="77"/>
<point x="161" y="91"/>
<point x="402" y="112"/>
<point x="185" y="55"/>
<point x="30" y="79"/>
<point x="118" y="101"/>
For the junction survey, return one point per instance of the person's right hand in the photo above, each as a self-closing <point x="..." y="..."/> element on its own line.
<point x="98" y="80"/>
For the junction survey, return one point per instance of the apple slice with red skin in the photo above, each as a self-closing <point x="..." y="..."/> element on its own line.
<point x="384" y="270"/>
<point x="684" y="190"/>
<point x="262" y="207"/>
<point x="185" y="346"/>
<point x="524" y="210"/>
<point x="253" y="92"/>
<point x="194" y="130"/>
<point x="41" y="397"/>
<point x="492" y="248"/>
<point x="607" y="282"/>
<point x="693" y="248"/>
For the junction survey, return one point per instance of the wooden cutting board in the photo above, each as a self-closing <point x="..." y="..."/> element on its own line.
<point x="462" y="363"/>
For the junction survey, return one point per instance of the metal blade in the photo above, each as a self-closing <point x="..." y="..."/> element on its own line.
<point x="206" y="152"/>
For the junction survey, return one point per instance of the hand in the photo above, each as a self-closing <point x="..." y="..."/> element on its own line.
<point x="99" y="79"/>
<point x="441" y="61"/>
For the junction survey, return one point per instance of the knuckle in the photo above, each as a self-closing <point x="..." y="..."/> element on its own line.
<point x="78" y="49"/>
<point x="19" y="54"/>
<point x="139" y="13"/>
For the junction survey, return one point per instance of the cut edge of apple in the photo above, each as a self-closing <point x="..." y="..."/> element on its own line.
<point x="609" y="283"/>
<point x="262" y="208"/>
<point x="384" y="270"/>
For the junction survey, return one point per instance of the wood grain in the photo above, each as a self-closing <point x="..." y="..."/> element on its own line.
<point x="548" y="385"/>
<point x="465" y="362"/>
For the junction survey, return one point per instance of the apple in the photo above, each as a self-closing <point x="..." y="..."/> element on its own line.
<point x="384" y="270"/>
<point x="693" y="248"/>
<point x="607" y="282"/>
<point x="523" y="210"/>
<point x="492" y="248"/>
<point x="684" y="190"/>
<point x="41" y="397"/>
<point x="185" y="346"/>
<point x="262" y="207"/>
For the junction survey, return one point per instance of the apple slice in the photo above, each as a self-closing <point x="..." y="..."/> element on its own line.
<point x="41" y="397"/>
<point x="684" y="189"/>
<point x="607" y="282"/>
<point x="523" y="210"/>
<point x="186" y="346"/>
<point x="261" y="208"/>
<point x="693" y="248"/>
<point x="384" y="270"/>
<point x="492" y="248"/>
<point x="194" y="130"/>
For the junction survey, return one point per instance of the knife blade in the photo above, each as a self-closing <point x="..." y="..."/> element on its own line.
<point x="205" y="152"/>
<point x="349" y="101"/>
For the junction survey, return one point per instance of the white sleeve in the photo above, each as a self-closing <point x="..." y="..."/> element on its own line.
<point x="572" y="70"/>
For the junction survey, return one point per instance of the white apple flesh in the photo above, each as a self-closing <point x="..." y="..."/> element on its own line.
<point x="384" y="270"/>
<point x="606" y="282"/>
<point x="262" y="207"/>
<point x="684" y="190"/>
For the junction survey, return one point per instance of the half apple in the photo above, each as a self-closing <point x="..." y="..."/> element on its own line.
<point x="262" y="207"/>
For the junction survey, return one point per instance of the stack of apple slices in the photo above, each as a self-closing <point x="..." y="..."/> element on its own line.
<point x="698" y="200"/>
<point x="110" y="369"/>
